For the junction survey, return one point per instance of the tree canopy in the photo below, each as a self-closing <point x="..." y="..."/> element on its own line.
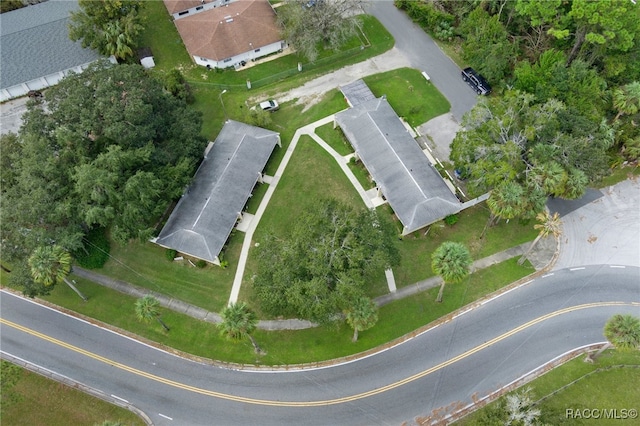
<point x="513" y="144"/>
<point x="623" y="332"/>
<point x="310" y="25"/>
<point x="451" y="260"/>
<point x="109" y="148"/>
<point x="583" y="53"/>
<point x="109" y="26"/>
<point x="320" y="267"/>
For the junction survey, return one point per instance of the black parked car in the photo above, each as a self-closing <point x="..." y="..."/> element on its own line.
<point x="476" y="81"/>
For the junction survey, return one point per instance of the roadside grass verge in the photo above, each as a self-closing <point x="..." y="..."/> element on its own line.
<point x="285" y="347"/>
<point x="145" y="265"/>
<point x="43" y="401"/>
<point x="411" y="95"/>
<point x="610" y="388"/>
<point x="416" y="248"/>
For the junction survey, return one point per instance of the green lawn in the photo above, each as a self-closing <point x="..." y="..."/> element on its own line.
<point x="145" y="265"/>
<point x="310" y="175"/>
<point x="162" y="37"/>
<point x="285" y="347"/>
<point x="410" y="94"/>
<point x="417" y="247"/>
<point x="362" y="174"/>
<point x="169" y="52"/>
<point x="610" y="383"/>
<point x="44" y="401"/>
<point x="335" y="139"/>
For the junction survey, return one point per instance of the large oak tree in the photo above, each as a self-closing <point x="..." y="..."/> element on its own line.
<point x="319" y="269"/>
<point x="108" y="148"/>
<point x="311" y="25"/>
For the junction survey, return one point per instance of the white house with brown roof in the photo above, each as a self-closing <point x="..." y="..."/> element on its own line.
<point x="226" y="34"/>
<point x="181" y="8"/>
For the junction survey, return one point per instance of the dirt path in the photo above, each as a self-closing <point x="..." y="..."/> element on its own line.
<point x="312" y="92"/>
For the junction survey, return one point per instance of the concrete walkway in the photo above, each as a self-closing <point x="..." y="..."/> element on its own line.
<point x="248" y="238"/>
<point x="542" y="255"/>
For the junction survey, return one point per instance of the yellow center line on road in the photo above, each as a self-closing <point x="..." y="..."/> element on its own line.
<point x="311" y="403"/>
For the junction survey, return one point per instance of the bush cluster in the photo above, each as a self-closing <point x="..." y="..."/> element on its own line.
<point x="95" y="251"/>
<point x="436" y="22"/>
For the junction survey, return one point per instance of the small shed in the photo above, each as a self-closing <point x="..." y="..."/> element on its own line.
<point x="145" y="56"/>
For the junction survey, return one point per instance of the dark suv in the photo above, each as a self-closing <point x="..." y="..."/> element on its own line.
<point x="476" y="81"/>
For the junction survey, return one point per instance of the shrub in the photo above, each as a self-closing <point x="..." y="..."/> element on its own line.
<point x="170" y="254"/>
<point x="200" y="263"/>
<point x="451" y="220"/>
<point x="428" y="17"/>
<point x="95" y="252"/>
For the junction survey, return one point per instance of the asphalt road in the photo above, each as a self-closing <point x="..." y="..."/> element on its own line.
<point x="424" y="54"/>
<point x="474" y="354"/>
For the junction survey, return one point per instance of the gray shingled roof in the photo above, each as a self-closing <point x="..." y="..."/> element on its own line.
<point x="35" y="42"/>
<point x="206" y="214"/>
<point x="414" y="188"/>
<point x="357" y="92"/>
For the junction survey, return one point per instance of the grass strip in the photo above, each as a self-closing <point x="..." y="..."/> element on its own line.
<point x="608" y="384"/>
<point x="42" y="401"/>
<point x="285" y="347"/>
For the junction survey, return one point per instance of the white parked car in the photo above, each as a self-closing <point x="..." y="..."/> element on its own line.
<point x="270" y="105"/>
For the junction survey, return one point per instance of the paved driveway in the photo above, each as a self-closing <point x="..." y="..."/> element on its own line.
<point x="424" y="54"/>
<point x="605" y="231"/>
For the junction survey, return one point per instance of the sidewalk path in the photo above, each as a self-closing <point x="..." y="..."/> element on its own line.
<point x="248" y="238"/>
<point x="544" y="252"/>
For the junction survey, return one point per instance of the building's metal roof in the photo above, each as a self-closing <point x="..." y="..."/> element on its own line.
<point x="206" y="214"/>
<point x="35" y="42"/>
<point x="414" y="188"/>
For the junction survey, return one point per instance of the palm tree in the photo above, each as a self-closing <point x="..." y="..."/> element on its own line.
<point x="576" y="184"/>
<point x="519" y="407"/>
<point x="547" y="225"/>
<point x="147" y="309"/>
<point x="621" y="331"/>
<point x="507" y="201"/>
<point x="238" y="322"/>
<point x="451" y="260"/>
<point x="119" y="36"/>
<point x="626" y="99"/>
<point x="50" y="265"/>
<point x="551" y="177"/>
<point x="361" y="315"/>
